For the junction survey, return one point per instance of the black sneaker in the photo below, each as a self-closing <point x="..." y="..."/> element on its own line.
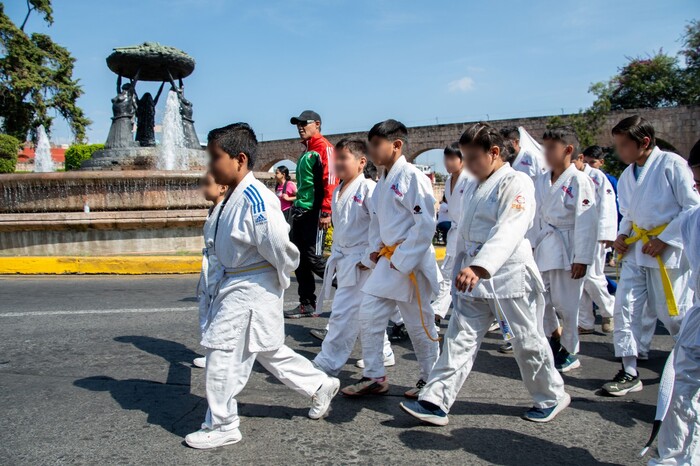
<point x="506" y="348"/>
<point x="398" y="333"/>
<point x="319" y="333"/>
<point x="622" y="384"/>
<point x="302" y="310"/>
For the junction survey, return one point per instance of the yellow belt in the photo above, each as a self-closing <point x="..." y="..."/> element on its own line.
<point x="643" y="235"/>
<point x="388" y="251"/>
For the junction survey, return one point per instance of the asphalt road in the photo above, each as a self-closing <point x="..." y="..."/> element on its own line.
<point x="96" y="370"/>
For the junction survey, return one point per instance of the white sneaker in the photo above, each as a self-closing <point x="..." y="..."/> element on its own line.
<point x="200" y="362"/>
<point x="321" y="400"/>
<point x="494" y="326"/>
<point x="389" y="360"/>
<point x="213" y="438"/>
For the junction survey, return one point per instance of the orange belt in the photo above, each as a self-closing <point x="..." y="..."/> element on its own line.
<point x="388" y="251"/>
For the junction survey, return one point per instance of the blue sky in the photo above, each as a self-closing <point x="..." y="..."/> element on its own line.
<point x="360" y="61"/>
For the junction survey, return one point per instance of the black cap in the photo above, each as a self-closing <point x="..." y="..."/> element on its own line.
<point x="306" y="115"/>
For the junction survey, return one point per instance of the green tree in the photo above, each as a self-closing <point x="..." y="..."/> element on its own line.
<point x="78" y="153"/>
<point x="9" y="147"/>
<point x="691" y="53"/>
<point x="36" y="78"/>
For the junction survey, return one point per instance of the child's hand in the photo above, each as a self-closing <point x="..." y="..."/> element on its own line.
<point x="654" y="247"/>
<point x="620" y="246"/>
<point x="578" y="271"/>
<point x="466" y="280"/>
<point x="374" y="257"/>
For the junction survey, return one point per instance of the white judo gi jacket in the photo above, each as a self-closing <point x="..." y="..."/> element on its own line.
<point x="663" y="190"/>
<point x="211" y="267"/>
<point x="530" y="163"/>
<point x="605" y="203"/>
<point x="403" y="208"/>
<point x="454" y="208"/>
<point x="496" y="216"/>
<point x="351" y="218"/>
<point x="252" y="244"/>
<point x="566" y="222"/>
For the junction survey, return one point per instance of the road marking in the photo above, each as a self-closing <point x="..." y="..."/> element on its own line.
<point x="96" y="311"/>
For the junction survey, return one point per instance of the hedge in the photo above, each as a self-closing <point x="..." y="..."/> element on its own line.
<point x="79" y="153"/>
<point x="9" y="147"/>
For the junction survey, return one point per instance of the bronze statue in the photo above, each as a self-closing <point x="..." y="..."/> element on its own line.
<point x="123" y="110"/>
<point x="146" y="118"/>
<point x="186" y="112"/>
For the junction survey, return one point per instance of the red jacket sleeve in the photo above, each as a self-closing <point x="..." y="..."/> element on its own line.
<point x="326" y="151"/>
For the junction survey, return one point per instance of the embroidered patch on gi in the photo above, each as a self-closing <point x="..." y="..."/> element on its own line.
<point x="357" y="198"/>
<point x="417" y="210"/>
<point x="585" y="202"/>
<point x="260" y="219"/>
<point x="518" y="203"/>
<point x="395" y="189"/>
<point x="568" y="190"/>
<point x="608" y="191"/>
<point x="595" y="180"/>
<point x="526" y="161"/>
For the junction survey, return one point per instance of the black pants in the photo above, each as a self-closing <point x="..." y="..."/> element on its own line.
<point x="304" y="230"/>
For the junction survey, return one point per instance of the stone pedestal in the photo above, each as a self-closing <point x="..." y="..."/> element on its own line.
<point x="139" y="158"/>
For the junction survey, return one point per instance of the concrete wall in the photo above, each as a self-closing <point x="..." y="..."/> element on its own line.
<point x="676" y="125"/>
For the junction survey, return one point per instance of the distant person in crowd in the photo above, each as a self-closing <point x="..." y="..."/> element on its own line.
<point x="208" y="278"/>
<point x="443" y="220"/>
<point x="654" y="191"/>
<point x="448" y="216"/>
<point x="528" y="160"/>
<point x="311" y="213"/>
<point x="285" y="189"/>
<point x="595" y="157"/>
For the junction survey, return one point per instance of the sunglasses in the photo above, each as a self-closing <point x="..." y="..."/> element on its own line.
<point x="304" y="123"/>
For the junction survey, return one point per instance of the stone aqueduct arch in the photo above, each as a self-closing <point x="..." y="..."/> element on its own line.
<point x="679" y="126"/>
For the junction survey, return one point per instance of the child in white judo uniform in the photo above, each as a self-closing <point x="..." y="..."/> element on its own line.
<point x="679" y="436"/>
<point x="457" y="178"/>
<point x="524" y="152"/>
<point x="351" y="219"/>
<point x="595" y="285"/>
<point x="405" y="272"/>
<point x="497" y="278"/>
<point x="566" y="232"/>
<point x="245" y="321"/>
<point x="208" y="277"/>
<point x="653" y="191"/>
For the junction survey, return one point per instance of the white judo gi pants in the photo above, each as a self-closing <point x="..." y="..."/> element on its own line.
<point x="595" y="290"/>
<point x="344" y="328"/>
<point x="471" y="318"/>
<point x="679" y="437"/>
<point x="639" y="287"/>
<point x="444" y="298"/>
<point x="374" y="318"/>
<point x="227" y="372"/>
<point x="562" y="298"/>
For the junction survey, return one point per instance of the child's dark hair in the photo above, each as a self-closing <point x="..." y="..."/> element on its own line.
<point x="370" y="171"/>
<point x="510" y="133"/>
<point x="636" y="128"/>
<point x="453" y="150"/>
<point x="285" y="171"/>
<point x="564" y="134"/>
<point x="484" y="136"/>
<point x="356" y="147"/>
<point x="594" y="152"/>
<point x="390" y="130"/>
<point x="235" y="139"/>
<point x="694" y="157"/>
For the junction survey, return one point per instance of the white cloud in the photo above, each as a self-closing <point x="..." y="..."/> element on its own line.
<point x="464" y="84"/>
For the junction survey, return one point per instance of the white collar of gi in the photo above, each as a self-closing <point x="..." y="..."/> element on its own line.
<point x="350" y="190"/>
<point x="400" y="162"/>
<point x="566" y="174"/>
<point x="494" y="178"/>
<point x="655" y="152"/>
<point x="587" y="169"/>
<point x="238" y="192"/>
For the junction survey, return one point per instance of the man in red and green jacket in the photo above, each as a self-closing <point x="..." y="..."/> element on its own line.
<point x="311" y="213"/>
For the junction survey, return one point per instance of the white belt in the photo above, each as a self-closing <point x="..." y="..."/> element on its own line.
<point x="337" y="254"/>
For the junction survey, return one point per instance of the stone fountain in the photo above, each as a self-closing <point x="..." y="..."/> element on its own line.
<point x="133" y="197"/>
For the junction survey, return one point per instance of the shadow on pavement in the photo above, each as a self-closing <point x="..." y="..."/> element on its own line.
<point x="498" y="446"/>
<point x="170" y="404"/>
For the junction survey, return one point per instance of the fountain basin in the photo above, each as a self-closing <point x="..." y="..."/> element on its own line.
<point x="103" y="191"/>
<point x="140" y="158"/>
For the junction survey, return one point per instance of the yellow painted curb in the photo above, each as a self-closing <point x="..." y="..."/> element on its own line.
<point x="116" y="265"/>
<point x="120" y="265"/>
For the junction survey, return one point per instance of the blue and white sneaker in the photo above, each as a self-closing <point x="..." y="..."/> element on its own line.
<point x="423" y="411"/>
<point x="569" y="363"/>
<point x="547" y="414"/>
